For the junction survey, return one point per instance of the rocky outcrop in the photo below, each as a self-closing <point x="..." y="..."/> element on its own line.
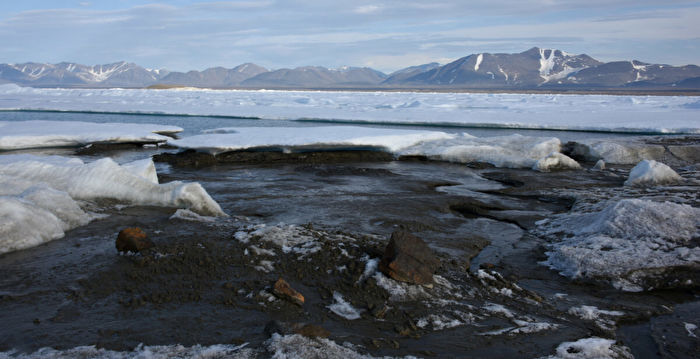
<point x="408" y="259"/>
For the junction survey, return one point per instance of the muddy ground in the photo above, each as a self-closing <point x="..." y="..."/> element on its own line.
<point x="320" y="224"/>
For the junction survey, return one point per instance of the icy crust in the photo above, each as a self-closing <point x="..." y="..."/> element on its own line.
<point x="652" y="173"/>
<point x="241" y="138"/>
<point x="632" y="243"/>
<point x="140" y="352"/>
<point x="40" y="197"/>
<point x="277" y="347"/>
<point x="581" y="112"/>
<point x="37" y="134"/>
<point x="591" y="348"/>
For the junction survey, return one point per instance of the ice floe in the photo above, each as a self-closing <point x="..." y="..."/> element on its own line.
<point x="652" y="173"/>
<point x="634" y="243"/>
<point x="16" y="135"/>
<point x="515" y="151"/>
<point x="289" y="137"/>
<point x="580" y="112"/>
<point x="40" y="197"/>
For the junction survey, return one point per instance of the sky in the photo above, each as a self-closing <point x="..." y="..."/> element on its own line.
<point x="387" y="35"/>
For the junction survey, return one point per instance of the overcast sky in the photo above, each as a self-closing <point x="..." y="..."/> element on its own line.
<point x="386" y="35"/>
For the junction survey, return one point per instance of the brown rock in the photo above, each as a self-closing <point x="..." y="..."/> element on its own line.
<point x="312" y="331"/>
<point x="132" y="239"/>
<point x="283" y="290"/>
<point x="408" y="259"/>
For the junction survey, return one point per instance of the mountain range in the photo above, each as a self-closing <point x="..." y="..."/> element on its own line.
<point x="532" y="69"/>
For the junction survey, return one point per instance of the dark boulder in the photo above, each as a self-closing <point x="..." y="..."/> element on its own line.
<point x="408" y="259"/>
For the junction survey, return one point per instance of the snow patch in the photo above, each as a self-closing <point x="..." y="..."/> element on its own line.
<point x="343" y="308"/>
<point x="591" y="348"/>
<point x="479" y="59"/>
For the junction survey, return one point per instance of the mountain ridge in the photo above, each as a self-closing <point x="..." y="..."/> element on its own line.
<point x="535" y="68"/>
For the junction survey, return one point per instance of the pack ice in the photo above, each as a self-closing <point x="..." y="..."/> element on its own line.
<point x="40" y="197"/>
<point x="16" y="135"/>
<point x="638" y="114"/>
<point x="635" y="244"/>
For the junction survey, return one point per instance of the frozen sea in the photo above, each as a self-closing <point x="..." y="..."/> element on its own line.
<point x="567" y="225"/>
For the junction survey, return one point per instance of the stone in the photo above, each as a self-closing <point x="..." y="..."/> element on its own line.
<point x="312" y="331"/>
<point x="283" y="290"/>
<point x="133" y="239"/>
<point x="408" y="259"/>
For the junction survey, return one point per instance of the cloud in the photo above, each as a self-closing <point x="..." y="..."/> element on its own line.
<point x="367" y="9"/>
<point x="388" y="35"/>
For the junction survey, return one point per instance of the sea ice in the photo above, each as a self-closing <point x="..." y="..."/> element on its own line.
<point x="632" y="243"/>
<point x="581" y="112"/>
<point x="290" y="137"/>
<point x="652" y="173"/>
<point x="502" y="151"/>
<point x="37" y="134"/>
<point x="515" y="151"/>
<point x="40" y="196"/>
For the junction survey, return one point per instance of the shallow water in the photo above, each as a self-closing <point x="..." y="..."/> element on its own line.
<point x="193" y="125"/>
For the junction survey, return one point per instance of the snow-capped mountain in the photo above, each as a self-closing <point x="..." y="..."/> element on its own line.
<point x="71" y="74"/>
<point x="548" y="68"/>
<point x="535" y="68"/>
